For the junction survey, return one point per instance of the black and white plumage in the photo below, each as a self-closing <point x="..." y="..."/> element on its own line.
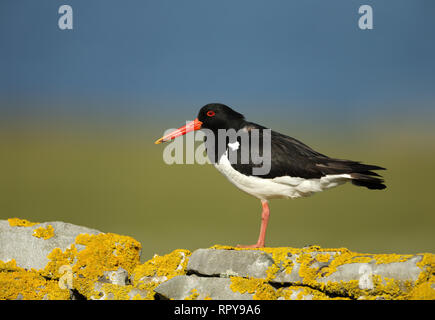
<point x="296" y="170"/>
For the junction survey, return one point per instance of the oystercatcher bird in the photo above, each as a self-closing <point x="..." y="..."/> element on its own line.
<point x="295" y="169"/>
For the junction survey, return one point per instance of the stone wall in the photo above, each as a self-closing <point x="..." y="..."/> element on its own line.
<point x="57" y="260"/>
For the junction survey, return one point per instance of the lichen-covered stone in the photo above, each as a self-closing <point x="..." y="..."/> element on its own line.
<point x="19" y="284"/>
<point x="345" y="274"/>
<point x="149" y="275"/>
<point x="259" y="289"/>
<point x="70" y="259"/>
<point x="225" y="263"/>
<point x="65" y="263"/>
<point x="112" y="291"/>
<point x="17" y="222"/>
<point x="45" y="233"/>
<point x="103" y="252"/>
<point x="118" y="277"/>
<point x="194" y="287"/>
<point x="29" y="244"/>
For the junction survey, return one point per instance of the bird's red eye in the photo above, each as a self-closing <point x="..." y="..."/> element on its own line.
<point x="211" y="113"/>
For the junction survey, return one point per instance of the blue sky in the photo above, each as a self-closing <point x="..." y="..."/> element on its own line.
<point x="156" y="56"/>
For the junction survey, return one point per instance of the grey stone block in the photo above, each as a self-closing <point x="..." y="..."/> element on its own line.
<point x="224" y="263"/>
<point x="118" y="277"/>
<point x="181" y="287"/>
<point x="293" y="277"/>
<point x="363" y="272"/>
<point x="31" y="252"/>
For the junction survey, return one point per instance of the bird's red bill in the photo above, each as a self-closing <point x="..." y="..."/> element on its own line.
<point x="191" y="126"/>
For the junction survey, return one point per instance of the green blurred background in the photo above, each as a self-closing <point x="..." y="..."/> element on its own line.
<point x="114" y="179"/>
<point x="80" y="110"/>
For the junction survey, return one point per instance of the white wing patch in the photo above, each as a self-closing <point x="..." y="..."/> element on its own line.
<point x="234" y="146"/>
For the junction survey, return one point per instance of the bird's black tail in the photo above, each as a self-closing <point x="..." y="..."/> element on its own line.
<point x="364" y="177"/>
<point x="362" y="174"/>
<point x="368" y="180"/>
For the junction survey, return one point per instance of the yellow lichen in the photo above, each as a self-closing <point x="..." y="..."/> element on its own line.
<point x="307" y="271"/>
<point x="361" y="259"/>
<point x="150" y="274"/>
<point x="281" y="258"/>
<point x="16" y="222"/>
<point x="108" y="252"/>
<point x="348" y="289"/>
<point x="102" y="252"/>
<point x="58" y="258"/>
<point x="261" y="289"/>
<point x="45" y="233"/>
<point x="390" y="258"/>
<point x="305" y="293"/>
<point x="18" y="283"/>
<point x="117" y="292"/>
<point x="388" y="288"/>
<point x="427" y="264"/>
<point x="343" y="256"/>
<point x="323" y="257"/>
<point x="193" y="296"/>
<point x="139" y="297"/>
<point x="265" y="292"/>
<point x="425" y="284"/>
<point x="424" y="291"/>
<point x="307" y="257"/>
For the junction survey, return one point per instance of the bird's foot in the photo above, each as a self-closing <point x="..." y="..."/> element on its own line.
<point x="257" y="245"/>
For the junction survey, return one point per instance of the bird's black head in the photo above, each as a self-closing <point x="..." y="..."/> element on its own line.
<point x="216" y="116"/>
<point x="213" y="116"/>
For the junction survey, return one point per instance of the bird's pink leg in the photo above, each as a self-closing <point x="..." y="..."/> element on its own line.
<point x="264" y="221"/>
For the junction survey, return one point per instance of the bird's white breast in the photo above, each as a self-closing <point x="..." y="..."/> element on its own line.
<point x="280" y="187"/>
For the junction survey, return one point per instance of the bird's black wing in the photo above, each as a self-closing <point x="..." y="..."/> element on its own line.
<point x="291" y="157"/>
